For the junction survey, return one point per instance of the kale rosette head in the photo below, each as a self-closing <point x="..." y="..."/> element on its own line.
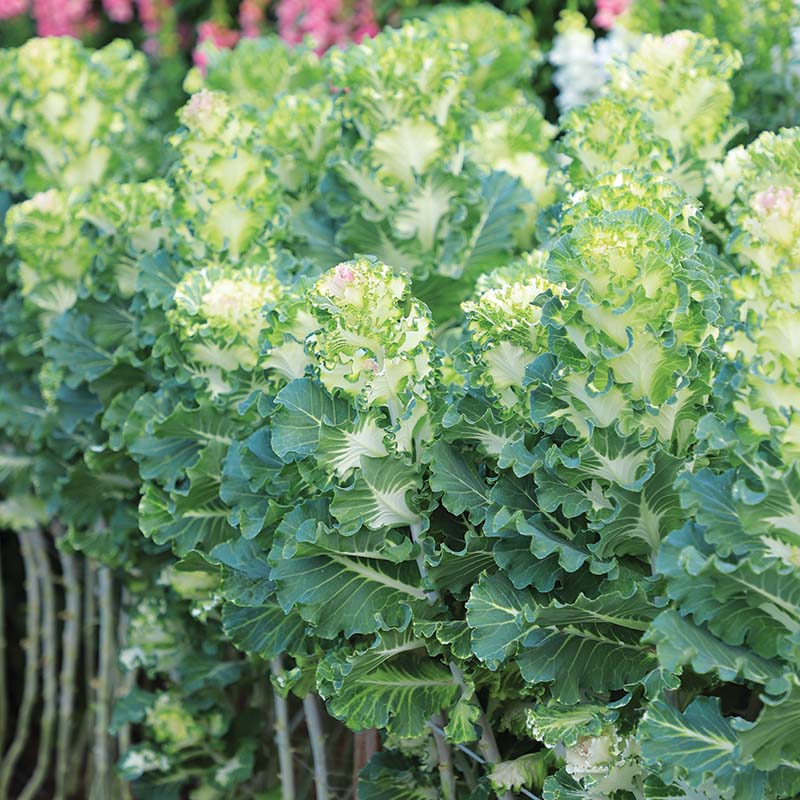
<point x="236" y="327"/>
<point x="72" y="117"/>
<point x="374" y="341"/>
<point x="763" y="345"/>
<point x="758" y="189"/>
<point x="226" y="198"/>
<point x="666" y="109"/>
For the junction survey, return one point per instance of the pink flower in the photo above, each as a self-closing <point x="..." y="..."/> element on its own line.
<point x="328" y="22"/>
<point x="153" y="14"/>
<point x="364" y="22"/>
<point x="200" y="60"/>
<point x="251" y="18"/>
<point x="218" y="35"/>
<point x="118" y="10"/>
<point x="12" y="8"/>
<point x="608" y="11"/>
<point x="57" y="18"/>
<point x="149" y="16"/>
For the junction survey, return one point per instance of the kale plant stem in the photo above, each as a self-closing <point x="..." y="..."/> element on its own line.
<point x="482" y="761"/>
<point x="40" y="543"/>
<point x="77" y="775"/>
<point x="447" y="776"/>
<point x="282" y="738"/>
<point x="316" y="735"/>
<point x="70" y="649"/>
<point x="101" y="783"/>
<point x="487" y="743"/>
<point x="31" y="648"/>
<point x="443" y="752"/>
<point x="127" y="684"/>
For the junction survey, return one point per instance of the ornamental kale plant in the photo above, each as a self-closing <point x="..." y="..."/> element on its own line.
<point x="478" y="430"/>
<point x="73" y="362"/>
<point x="765" y="35"/>
<point x="414" y="164"/>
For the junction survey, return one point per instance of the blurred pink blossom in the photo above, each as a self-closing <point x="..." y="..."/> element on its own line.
<point x="608" y="11"/>
<point x="148" y="16"/>
<point x="364" y="22"/>
<point x="59" y="18"/>
<point x="12" y="8"/>
<point x="153" y="14"/>
<point x="118" y="10"/>
<point x="218" y="35"/>
<point x="251" y="18"/>
<point x="328" y="22"/>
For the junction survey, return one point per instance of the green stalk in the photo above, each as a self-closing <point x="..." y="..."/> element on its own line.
<point x="31" y="649"/>
<point x="70" y="651"/>
<point x="487" y="744"/>
<point x="264" y="779"/>
<point x="466" y="769"/>
<point x="77" y="776"/>
<point x="447" y="776"/>
<point x="49" y="666"/>
<point x="463" y="749"/>
<point x="316" y="735"/>
<point x="282" y="738"/>
<point x="127" y="684"/>
<point x="101" y="778"/>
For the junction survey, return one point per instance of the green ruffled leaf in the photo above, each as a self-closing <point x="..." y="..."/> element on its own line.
<point x="302" y="408"/>
<point x="645" y="517"/>
<point x="342" y="446"/>
<point x="680" y="642"/>
<point x="553" y="723"/>
<point x="496" y="615"/>
<point x="739" y="603"/>
<point x="349" y="584"/>
<point x="390" y="776"/>
<point x="450" y="570"/>
<point x="740" y="520"/>
<point x="694" y="746"/>
<point x="458" y="480"/>
<point x="245" y="572"/>
<point x="462" y="725"/>
<point x="514" y="556"/>
<point x="387" y="685"/>
<point x="772" y="741"/>
<point x="591" y="644"/>
<point x="379" y="496"/>
<point x="176" y="442"/>
<point x="266" y="631"/>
